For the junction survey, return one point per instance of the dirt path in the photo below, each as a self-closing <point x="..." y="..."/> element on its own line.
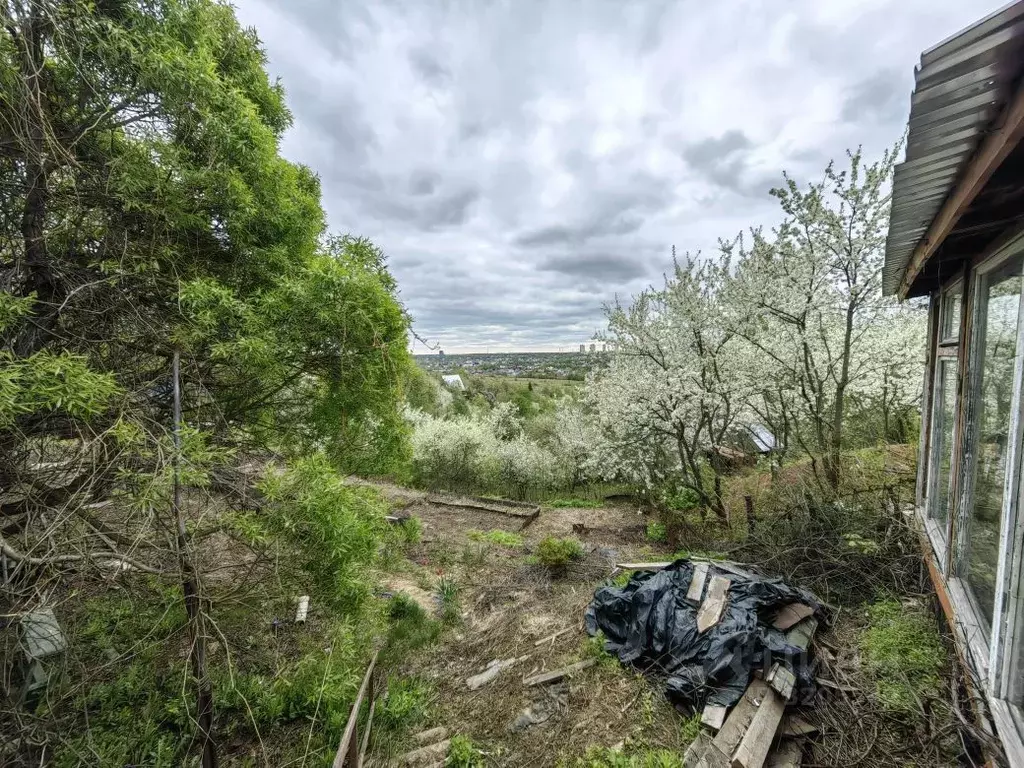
<point x="508" y="606"/>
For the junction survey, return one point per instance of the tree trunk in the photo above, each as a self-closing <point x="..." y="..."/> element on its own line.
<point x="833" y="458"/>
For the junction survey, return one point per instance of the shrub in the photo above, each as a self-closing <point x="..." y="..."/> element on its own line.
<point x="463" y="753"/>
<point x="404" y="706"/>
<point x="656" y="531"/>
<point x="903" y="654"/>
<point x="448" y="453"/>
<point x="410" y="530"/>
<point x="448" y="591"/>
<point x="558" y="553"/>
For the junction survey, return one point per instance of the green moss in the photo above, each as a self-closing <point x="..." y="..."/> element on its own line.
<point x="903" y="654"/>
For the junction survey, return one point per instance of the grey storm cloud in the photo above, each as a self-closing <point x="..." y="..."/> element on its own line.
<point x="522" y="163"/>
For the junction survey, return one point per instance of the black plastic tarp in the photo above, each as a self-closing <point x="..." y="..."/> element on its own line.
<point x="650" y="623"/>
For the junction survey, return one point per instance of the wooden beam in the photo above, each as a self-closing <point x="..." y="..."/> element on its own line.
<point x="739" y="719"/>
<point x="696" y="589"/>
<point x="791" y="614"/>
<point x="801" y="634"/>
<point x="348" y="738"/>
<point x="989" y="156"/>
<point x="713" y="716"/>
<point x="753" y="749"/>
<point x="713" y="605"/>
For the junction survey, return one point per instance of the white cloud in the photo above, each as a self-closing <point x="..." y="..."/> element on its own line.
<point x="522" y="162"/>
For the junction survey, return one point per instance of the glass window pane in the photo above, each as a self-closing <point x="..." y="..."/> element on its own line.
<point x="951" y="315"/>
<point x="996" y="357"/>
<point x="942" y="439"/>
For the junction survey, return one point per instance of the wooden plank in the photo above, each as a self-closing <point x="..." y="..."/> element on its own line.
<point x="700" y="575"/>
<point x="736" y="723"/>
<point x="782" y="680"/>
<point x="801" y="634"/>
<point x="713" y="605"/>
<point x="348" y="737"/>
<point x="713" y="716"/>
<point x="754" y="746"/>
<point x="794" y="725"/>
<point x="702" y="753"/>
<point x="787" y="755"/>
<point x="558" y="674"/>
<point x="366" y="734"/>
<point x="642" y="566"/>
<point x="792" y="614"/>
<point x="983" y="163"/>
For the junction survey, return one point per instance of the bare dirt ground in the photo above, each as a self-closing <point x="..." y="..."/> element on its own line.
<point x="509" y="606"/>
<point x="510" y="609"/>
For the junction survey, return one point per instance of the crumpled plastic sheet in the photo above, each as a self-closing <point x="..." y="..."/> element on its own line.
<point x="650" y="624"/>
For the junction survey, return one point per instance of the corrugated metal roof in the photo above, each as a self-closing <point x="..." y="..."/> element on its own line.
<point x="960" y="87"/>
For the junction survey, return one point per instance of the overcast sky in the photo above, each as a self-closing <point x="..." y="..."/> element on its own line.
<point x="522" y="163"/>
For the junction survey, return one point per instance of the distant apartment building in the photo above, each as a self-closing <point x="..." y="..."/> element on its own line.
<point x="593" y="347"/>
<point x="583" y="348"/>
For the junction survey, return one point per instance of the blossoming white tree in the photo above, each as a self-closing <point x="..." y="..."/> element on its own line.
<point x="671" y="389"/>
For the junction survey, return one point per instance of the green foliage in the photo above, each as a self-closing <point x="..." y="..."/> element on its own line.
<point x="558" y="553"/>
<point x="463" y="753"/>
<point x="656" y="531"/>
<point x="448" y="591"/>
<point x="50" y="382"/>
<point x="334" y="528"/>
<point x="405" y="705"/>
<point x="410" y="628"/>
<point x="410" y="529"/>
<point x="497" y="536"/>
<point x="690" y="729"/>
<point x="594" y="648"/>
<point x="904" y="655"/>
<point x="605" y="757"/>
<point x="683" y="500"/>
<point x="622" y="579"/>
<point x="573" y="503"/>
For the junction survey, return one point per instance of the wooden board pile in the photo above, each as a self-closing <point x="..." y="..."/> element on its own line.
<point x="757" y="732"/>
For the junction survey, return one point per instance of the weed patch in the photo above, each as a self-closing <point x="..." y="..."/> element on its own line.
<point x="463" y="753"/>
<point x="558" y="553"/>
<point x="497" y="536"/>
<point x="903" y="654"/>
<point x="573" y="503"/>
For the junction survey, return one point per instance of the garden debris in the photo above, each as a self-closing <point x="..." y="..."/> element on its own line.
<point x="782" y="680"/>
<point x="558" y="674"/>
<point x="650" y="623"/>
<point x="556" y="697"/>
<point x="551" y="638"/>
<point x="696" y="588"/>
<point x="713" y="605"/>
<point x="302" y="610"/>
<point x="426" y="755"/>
<point x="787" y="755"/>
<point x="493" y="669"/>
<point x="792" y="614"/>
<point x="757" y="740"/>
<point x="714" y="716"/>
<point x="794" y="725"/>
<point x="430" y="736"/>
<point x="800" y="635"/>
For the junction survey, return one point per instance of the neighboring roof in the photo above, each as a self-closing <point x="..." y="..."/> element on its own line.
<point x="453" y="380"/>
<point x="763" y="439"/>
<point x="962" y="85"/>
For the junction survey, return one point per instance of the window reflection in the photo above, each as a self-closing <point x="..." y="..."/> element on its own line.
<point x="997" y="355"/>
